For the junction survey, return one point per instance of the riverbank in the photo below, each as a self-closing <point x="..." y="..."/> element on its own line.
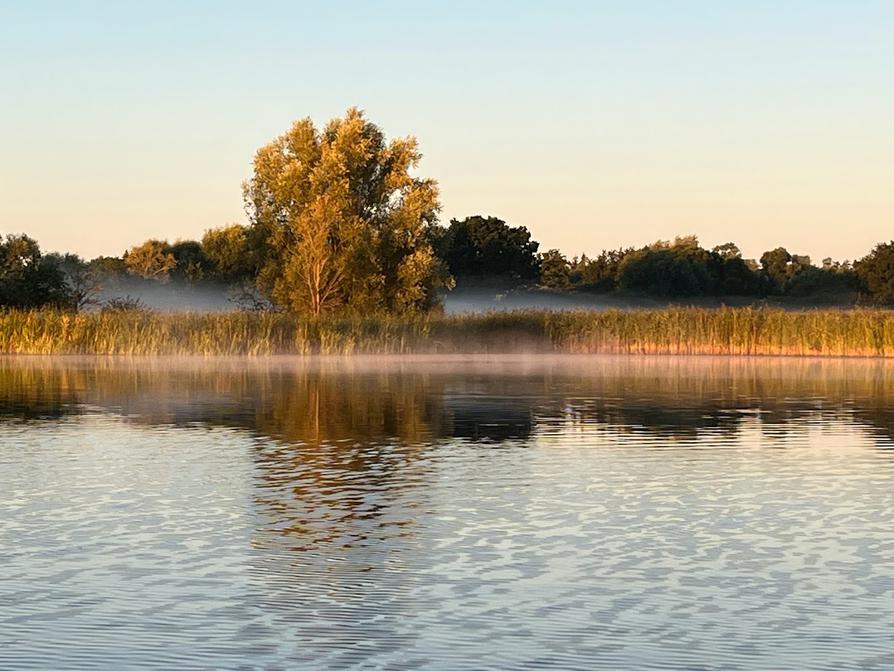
<point x="724" y="331"/>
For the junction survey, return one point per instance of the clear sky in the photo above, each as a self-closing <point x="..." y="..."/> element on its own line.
<point x="594" y="124"/>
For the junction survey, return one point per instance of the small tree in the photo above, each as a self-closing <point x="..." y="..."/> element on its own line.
<point x="190" y="262"/>
<point x="738" y="278"/>
<point x="108" y="267"/>
<point x="600" y="273"/>
<point x="779" y="267"/>
<point x="555" y="271"/>
<point x="659" y="271"/>
<point x="728" y="250"/>
<point x="82" y="280"/>
<point x="774" y="264"/>
<point x="232" y="253"/>
<point x="29" y="279"/>
<point x="151" y="260"/>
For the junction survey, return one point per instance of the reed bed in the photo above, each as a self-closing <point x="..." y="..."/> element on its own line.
<point x="728" y="331"/>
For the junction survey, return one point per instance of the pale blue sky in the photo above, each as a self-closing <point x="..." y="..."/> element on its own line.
<point x="594" y="124"/>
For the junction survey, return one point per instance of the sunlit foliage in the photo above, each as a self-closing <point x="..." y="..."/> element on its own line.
<point x="343" y="220"/>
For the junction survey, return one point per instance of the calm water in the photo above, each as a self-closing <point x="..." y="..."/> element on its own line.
<point x="573" y="513"/>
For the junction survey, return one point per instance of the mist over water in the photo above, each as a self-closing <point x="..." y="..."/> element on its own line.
<point x="446" y="513"/>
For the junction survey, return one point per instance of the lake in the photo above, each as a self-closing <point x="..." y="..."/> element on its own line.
<point x="446" y="513"/>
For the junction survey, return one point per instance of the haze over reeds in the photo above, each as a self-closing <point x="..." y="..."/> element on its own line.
<point x="734" y="331"/>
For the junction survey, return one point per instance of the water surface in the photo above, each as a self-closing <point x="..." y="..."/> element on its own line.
<point x="459" y="513"/>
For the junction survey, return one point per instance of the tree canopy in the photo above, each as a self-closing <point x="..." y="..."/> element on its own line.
<point x="151" y="260"/>
<point x="488" y="247"/>
<point x="232" y="252"/>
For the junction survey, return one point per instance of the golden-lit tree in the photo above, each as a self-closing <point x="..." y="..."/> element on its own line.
<point x="231" y="252"/>
<point x="152" y="260"/>
<point x="343" y="221"/>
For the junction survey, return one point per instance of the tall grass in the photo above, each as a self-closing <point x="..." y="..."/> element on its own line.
<point x="745" y="331"/>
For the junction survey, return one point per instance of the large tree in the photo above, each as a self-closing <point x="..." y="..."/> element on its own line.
<point x="343" y="221"/>
<point x="600" y="273"/>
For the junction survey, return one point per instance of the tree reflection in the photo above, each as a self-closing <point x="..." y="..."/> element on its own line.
<point x="352" y="403"/>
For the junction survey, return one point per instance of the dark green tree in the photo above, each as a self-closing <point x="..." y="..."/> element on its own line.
<point x="600" y="273"/>
<point x="839" y="284"/>
<point x="876" y="272"/>
<point x="191" y="263"/>
<point x="660" y="271"/>
<point x="738" y="278"/>
<point x="486" y="247"/>
<point x="774" y="265"/>
<point x="555" y="271"/>
<point x="727" y="251"/>
<point x="27" y="278"/>
<point x="685" y="268"/>
<point x="779" y="267"/>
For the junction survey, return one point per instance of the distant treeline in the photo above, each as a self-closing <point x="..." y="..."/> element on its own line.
<point x="476" y="251"/>
<point x="339" y="225"/>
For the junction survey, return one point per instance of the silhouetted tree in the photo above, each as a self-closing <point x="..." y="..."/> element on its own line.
<point x="555" y="271"/>
<point x="190" y="261"/>
<point x="479" y="247"/>
<point x="779" y="267"/>
<point x="599" y="273"/>
<point x="685" y="268"/>
<point x="727" y="251"/>
<point x="28" y="279"/>
<point x="738" y="277"/>
<point x="876" y="272"/>
<point x="659" y="272"/>
<point x="832" y="282"/>
<point x="774" y="264"/>
<point x="82" y="281"/>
